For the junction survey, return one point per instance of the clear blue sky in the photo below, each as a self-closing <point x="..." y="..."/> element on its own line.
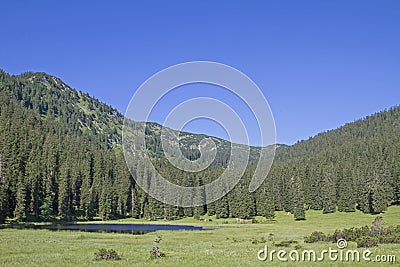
<point x="319" y="63"/>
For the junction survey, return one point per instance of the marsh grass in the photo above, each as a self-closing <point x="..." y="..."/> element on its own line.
<point x="230" y="244"/>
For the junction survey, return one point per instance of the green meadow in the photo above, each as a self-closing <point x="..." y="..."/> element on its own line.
<point x="229" y="244"/>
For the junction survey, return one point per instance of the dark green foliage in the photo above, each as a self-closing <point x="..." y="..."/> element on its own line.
<point x="20" y="212"/>
<point x="345" y="194"/>
<point x="106" y="254"/>
<point x="298" y="199"/>
<point x="316" y="237"/>
<point x="3" y="203"/>
<point x="64" y="193"/>
<point x="329" y="192"/>
<point x="46" y="161"/>
<point x="242" y="202"/>
<point x="367" y="242"/>
<point x="264" y="201"/>
<point x="359" y="161"/>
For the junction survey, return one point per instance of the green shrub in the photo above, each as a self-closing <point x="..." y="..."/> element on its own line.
<point x="378" y="227"/>
<point x="315" y="237"/>
<point x="364" y="236"/>
<point x="286" y="243"/>
<point x="337" y="235"/>
<point x="104" y="254"/>
<point x="155" y="250"/>
<point x="261" y="241"/>
<point x="389" y="239"/>
<point x="367" y="242"/>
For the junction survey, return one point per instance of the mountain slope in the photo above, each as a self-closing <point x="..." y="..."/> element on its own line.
<point x="52" y="99"/>
<point x="354" y="166"/>
<point x="381" y="125"/>
<point x="82" y="115"/>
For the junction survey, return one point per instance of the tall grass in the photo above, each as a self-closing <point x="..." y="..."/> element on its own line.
<point x="230" y="244"/>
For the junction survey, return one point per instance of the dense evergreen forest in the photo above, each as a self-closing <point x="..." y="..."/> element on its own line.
<point x="61" y="158"/>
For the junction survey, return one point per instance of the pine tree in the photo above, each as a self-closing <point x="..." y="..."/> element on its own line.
<point x="345" y="194"/>
<point x="222" y="209"/>
<point x="85" y="192"/>
<point x="288" y="189"/>
<point x="34" y="178"/>
<point x="105" y="205"/>
<point x="3" y="193"/>
<point x="298" y="200"/>
<point x="65" y="193"/>
<point x="20" y="212"/>
<point x="265" y="201"/>
<point x="3" y="203"/>
<point x="329" y="189"/>
<point x="51" y="171"/>
<point x="381" y="190"/>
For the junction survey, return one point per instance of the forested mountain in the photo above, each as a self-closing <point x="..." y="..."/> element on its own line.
<point x="357" y="165"/>
<point x="82" y="115"/>
<point x="77" y="113"/>
<point x="61" y="157"/>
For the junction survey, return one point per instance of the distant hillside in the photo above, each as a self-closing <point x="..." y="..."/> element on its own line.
<point x="82" y="115"/>
<point x="381" y="125"/>
<point x="77" y="112"/>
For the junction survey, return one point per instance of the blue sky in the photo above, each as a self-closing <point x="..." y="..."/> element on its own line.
<point x="320" y="64"/>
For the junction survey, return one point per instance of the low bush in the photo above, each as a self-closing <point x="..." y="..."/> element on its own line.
<point x="286" y="243"/>
<point x="316" y="237"/>
<point x="106" y="254"/>
<point x="367" y="242"/>
<point x="364" y="236"/>
<point x="259" y="241"/>
<point x="155" y="250"/>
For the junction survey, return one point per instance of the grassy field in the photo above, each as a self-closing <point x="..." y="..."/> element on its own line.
<point x="230" y="244"/>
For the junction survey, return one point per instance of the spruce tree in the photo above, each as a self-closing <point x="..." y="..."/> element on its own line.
<point x="345" y="194"/>
<point x="20" y="212"/>
<point x="298" y="200"/>
<point x="265" y="202"/>
<point x="65" y="194"/>
<point x="329" y="190"/>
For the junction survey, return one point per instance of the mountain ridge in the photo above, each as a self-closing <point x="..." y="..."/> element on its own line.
<point x="108" y="128"/>
<point x="89" y="110"/>
<point x="49" y="80"/>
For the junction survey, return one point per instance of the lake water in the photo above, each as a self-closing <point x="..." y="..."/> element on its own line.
<point x="114" y="228"/>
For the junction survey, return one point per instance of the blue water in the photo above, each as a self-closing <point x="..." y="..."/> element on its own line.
<point x="116" y="228"/>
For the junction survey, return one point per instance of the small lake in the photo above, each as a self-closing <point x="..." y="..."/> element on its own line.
<point x="136" y="229"/>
